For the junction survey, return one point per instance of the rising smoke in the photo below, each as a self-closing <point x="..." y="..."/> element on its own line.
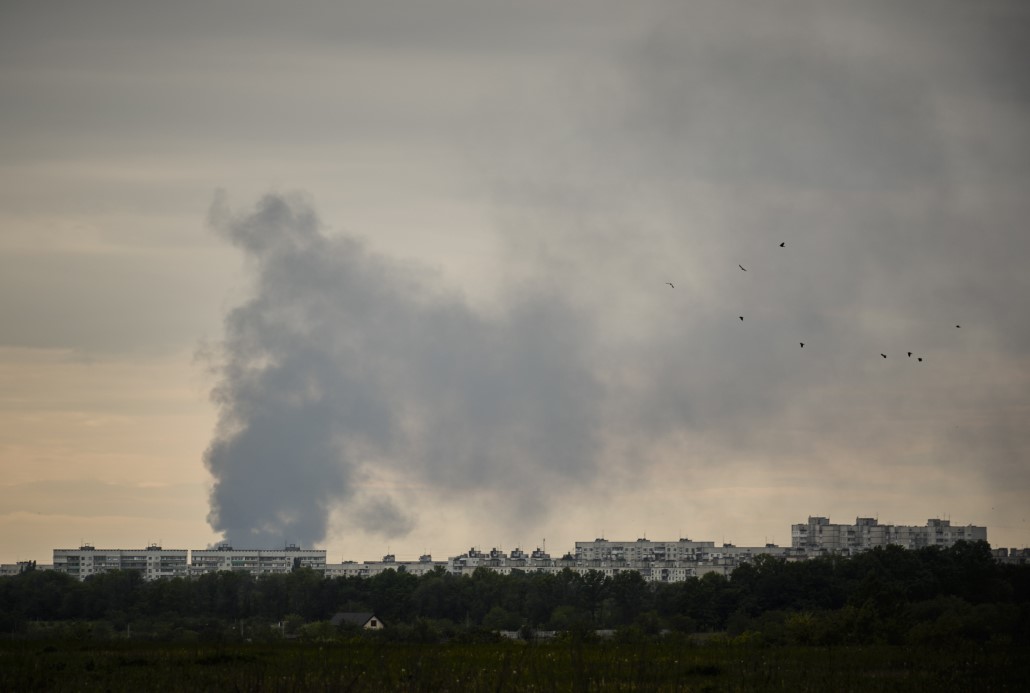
<point x="343" y="363"/>
<point x="885" y="150"/>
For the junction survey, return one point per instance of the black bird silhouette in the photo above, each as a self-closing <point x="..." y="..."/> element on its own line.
<point x="883" y="355"/>
<point x="783" y="245"/>
<point x="920" y="359"/>
<point x="741" y="318"/>
<point x="910" y="354"/>
<point x="802" y="344"/>
<point x="742" y="267"/>
<point x="670" y="284"/>
<point x="958" y="325"/>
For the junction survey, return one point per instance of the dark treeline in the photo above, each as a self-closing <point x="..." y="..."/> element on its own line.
<point x="886" y="595"/>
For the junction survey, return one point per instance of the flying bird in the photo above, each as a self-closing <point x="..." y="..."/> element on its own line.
<point x="741" y="318"/>
<point x="802" y="344"/>
<point x="883" y="355"/>
<point x="920" y="359"/>
<point x="742" y="267"/>
<point x="670" y="284"/>
<point x="910" y="354"/>
<point x="958" y="325"/>
<point x="783" y="245"/>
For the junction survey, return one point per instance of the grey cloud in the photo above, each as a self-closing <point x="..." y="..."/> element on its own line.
<point x="381" y="516"/>
<point x="882" y="143"/>
<point x="446" y="25"/>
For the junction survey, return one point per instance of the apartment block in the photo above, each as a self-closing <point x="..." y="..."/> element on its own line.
<point x="8" y="569"/>
<point x="255" y="561"/>
<point x="670" y="561"/>
<point x="820" y="536"/>
<point x="642" y="550"/>
<point x="655" y="561"/>
<point x="153" y="562"/>
<point x="424" y="564"/>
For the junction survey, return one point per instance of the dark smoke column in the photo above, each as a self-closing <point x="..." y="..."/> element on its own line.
<point x="346" y="364"/>
<point x="290" y="418"/>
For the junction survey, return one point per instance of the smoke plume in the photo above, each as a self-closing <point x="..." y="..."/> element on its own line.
<point x="344" y="365"/>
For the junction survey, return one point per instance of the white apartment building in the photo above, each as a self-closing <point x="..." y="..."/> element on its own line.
<point x="669" y="561"/>
<point x="153" y="562"/>
<point x="643" y="550"/>
<point x="656" y="561"/>
<point x="255" y="561"/>
<point x="820" y="536"/>
<point x="496" y="560"/>
<point x="424" y="564"/>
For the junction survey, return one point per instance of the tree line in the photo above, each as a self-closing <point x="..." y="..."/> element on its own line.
<point x="892" y="595"/>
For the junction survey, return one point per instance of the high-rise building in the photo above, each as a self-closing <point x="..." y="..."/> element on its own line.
<point x="256" y="561"/>
<point x="818" y="535"/>
<point x="642" y="550"/>
<point x="656" y="561"/>
<point x="424" y="564"/>
<point x="152" y="562"/>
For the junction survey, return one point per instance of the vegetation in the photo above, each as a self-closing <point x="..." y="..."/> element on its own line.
<point x="886" y="620"/>
<point x="663" y="664"/>
<point x="934" y="597"/>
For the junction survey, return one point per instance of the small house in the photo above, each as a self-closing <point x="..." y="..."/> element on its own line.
<point x="364" y="620"/>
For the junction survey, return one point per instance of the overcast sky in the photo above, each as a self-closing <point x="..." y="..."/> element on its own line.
<point x="392" y="276"/>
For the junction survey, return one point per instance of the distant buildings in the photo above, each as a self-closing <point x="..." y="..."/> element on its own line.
<point x="676" y="561"/>
<point x="655" y="561"/>
<point x="19" y="567"/>
<point x="153" y="562"/>
<point x="497" y="561"/>
<point x="820" y="537"/>
<point x="423" y="565"/>
<point x="673" y="561"/>
<point x="670" y="561"/>
<point x="1011" y="556"/>
<point x="255" y="561"/>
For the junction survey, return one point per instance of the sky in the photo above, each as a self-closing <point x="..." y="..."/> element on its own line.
<point x="392" y="277"/>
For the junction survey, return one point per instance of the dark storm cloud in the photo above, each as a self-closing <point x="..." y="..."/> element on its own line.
<point x="344" y="362"/>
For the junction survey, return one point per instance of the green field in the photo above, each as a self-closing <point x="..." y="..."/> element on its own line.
<point x="886" y="620"/>
<point x="657" y="665"/>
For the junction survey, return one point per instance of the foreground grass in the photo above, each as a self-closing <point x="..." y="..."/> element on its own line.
<point x="371" y="666"/>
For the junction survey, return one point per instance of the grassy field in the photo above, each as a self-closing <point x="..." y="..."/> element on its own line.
<point x="566" y="666"/>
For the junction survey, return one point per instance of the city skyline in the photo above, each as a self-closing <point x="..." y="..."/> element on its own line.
<point x="661" y="560"/>
<point x="903" y="535"/>
<point x="369" y="275"/>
